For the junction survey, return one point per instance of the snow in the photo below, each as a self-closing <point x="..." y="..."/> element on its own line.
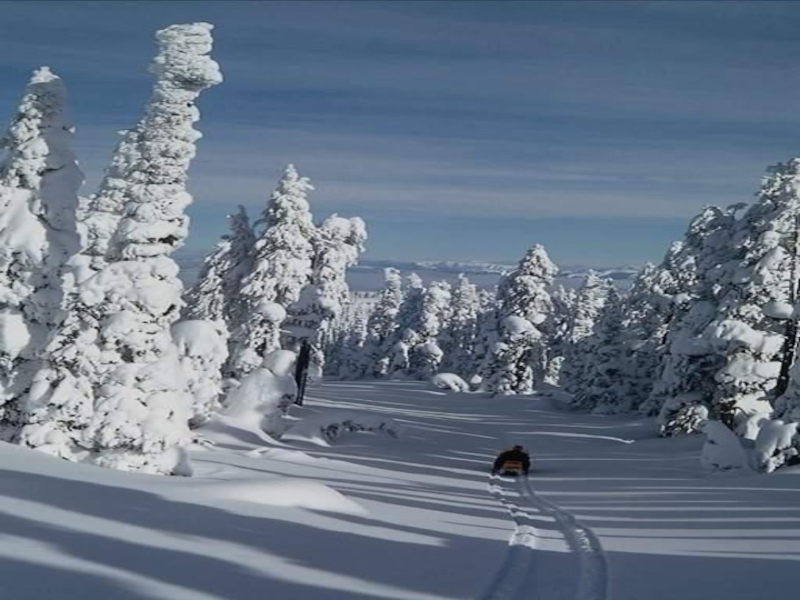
<point x="450" y="381"/>
<point x="406" y="518"/>
<point x="722" y="450"/>
<point x="260" y="400"/>
<point x="15" y="334"/>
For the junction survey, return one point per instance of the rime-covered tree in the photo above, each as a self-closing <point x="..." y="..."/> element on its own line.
<point x="282" y="267"/>
<point x="516" y="360"/>
<point x="409" y="323"/>
<point x="564" y="300"/>
<point x="697" y="268"/>
<point x="460" y="337"/>
<point x="337" y="245"/>
<point x="589" y="303"/>
<point x="604" y="389"/>
<point x="381" y="326"/>
<point x="648" y="313"/>
<point x="202" y="350"/>
<point x="114" y="352"/>
<point x="426" y="354"/>
<point x="215" y="296"/>
<point x="750" y="325"/>
<point x="39" y="180"/>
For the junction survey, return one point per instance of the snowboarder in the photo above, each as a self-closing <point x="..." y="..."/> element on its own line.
<point x="512" y="462"/>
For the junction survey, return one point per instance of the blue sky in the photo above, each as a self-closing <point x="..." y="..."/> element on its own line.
<point x="458" y="130"/>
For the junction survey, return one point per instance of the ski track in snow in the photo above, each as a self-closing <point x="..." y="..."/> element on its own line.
<point x="518" y="577"/>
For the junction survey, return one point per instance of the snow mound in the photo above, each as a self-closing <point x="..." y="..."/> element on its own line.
<point x="284" y="492"/>
<point x="774" y="445"/>
<point x="449" y="381"/>
<point x="722" y="450"/>
<point x="261" y="400"/>
<point x="323" y="429"/>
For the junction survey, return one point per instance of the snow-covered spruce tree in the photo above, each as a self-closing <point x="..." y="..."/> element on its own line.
<point x="459" y="339"/>
<point x="381" y="326"/>
<point x="426" y="355"/>
<point x="564" y="300"/>
<point x="517" y="358"/>
<point x="115" y="352"/>
<point x="690" y="276"/>
<point x="345" y="358"/>
<point x="406" y="335"/>
<point x="337" y="245"/>
<point x="485" y="338"/>
<point x="648" y="313"/>
<point x="756" y="299"/>
<point x="215" y="296"/>
<point x="589" y="302"/>
<point x="202" y="350"/>
<point x="39" y="180"/>
<point x="604" y="388"/>
<point x="282" y="267"/>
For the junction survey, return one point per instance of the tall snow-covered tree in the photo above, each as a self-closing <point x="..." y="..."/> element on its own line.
<point x="518" y="355"/>
<point x="115" y="352"/>
<point x="564" y="300"/>
<point x="282" y="267"/>
<point x="337" y="245"/>
<point x="649" y="309"/>
<point x="381" y="327"/>
<point x="604" y="389"/>
<point x="425" y="355"/>
<point x="215" y="296"/>
<point x="750" y="325"/>
<point x="39" y="180"/>
<point x="589" y="302"/>
<point x="460" y="336"/>
<point x="697" y="268"/>
<point x="409" y="321"/>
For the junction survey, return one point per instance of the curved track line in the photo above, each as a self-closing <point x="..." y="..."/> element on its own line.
<point x="514" y="579"/>
<point x="518" y="563"/>
<point x="592" y="568"/>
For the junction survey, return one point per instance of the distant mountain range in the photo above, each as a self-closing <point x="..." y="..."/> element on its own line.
<point x="368" y="274"/>
<point x="488" y="268"/>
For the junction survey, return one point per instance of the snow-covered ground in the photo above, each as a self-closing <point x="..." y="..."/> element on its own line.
<point x="408" y="516"/>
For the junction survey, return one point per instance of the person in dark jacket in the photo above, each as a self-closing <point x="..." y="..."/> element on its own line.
<point x="516" y="455"/>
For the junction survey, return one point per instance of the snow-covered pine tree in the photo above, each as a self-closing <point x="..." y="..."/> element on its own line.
<point x="460" y="337"/>
<point x="202" y="350"/>
<point x="697" y="267"/>
<point x="426" y="355"/>
<point x="282" y="267"/>
<point x="589" y="302"/>
<point x="564" y="300"/>
<point x="517" y="358"/>
<point x="381" y="326"/>
<point x="604" y="389"/>
<point x="39" y="180"/>
<point x="215" y="296"/>
<point x="754" y="303"/>
<point x="337" y="245"/>
<point x="409" y="323"/>
<point x="115" y="351"/>
<point x="648" y="313"/>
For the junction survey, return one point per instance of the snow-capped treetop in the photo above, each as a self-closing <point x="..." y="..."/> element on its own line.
<point x="524" y="291"/>
<point x="182" y="70"/>
<point x="154" y="221"/>
<point x="215" y="296"/>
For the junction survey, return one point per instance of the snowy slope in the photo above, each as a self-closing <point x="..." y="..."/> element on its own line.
<point x="408" y="517"/>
